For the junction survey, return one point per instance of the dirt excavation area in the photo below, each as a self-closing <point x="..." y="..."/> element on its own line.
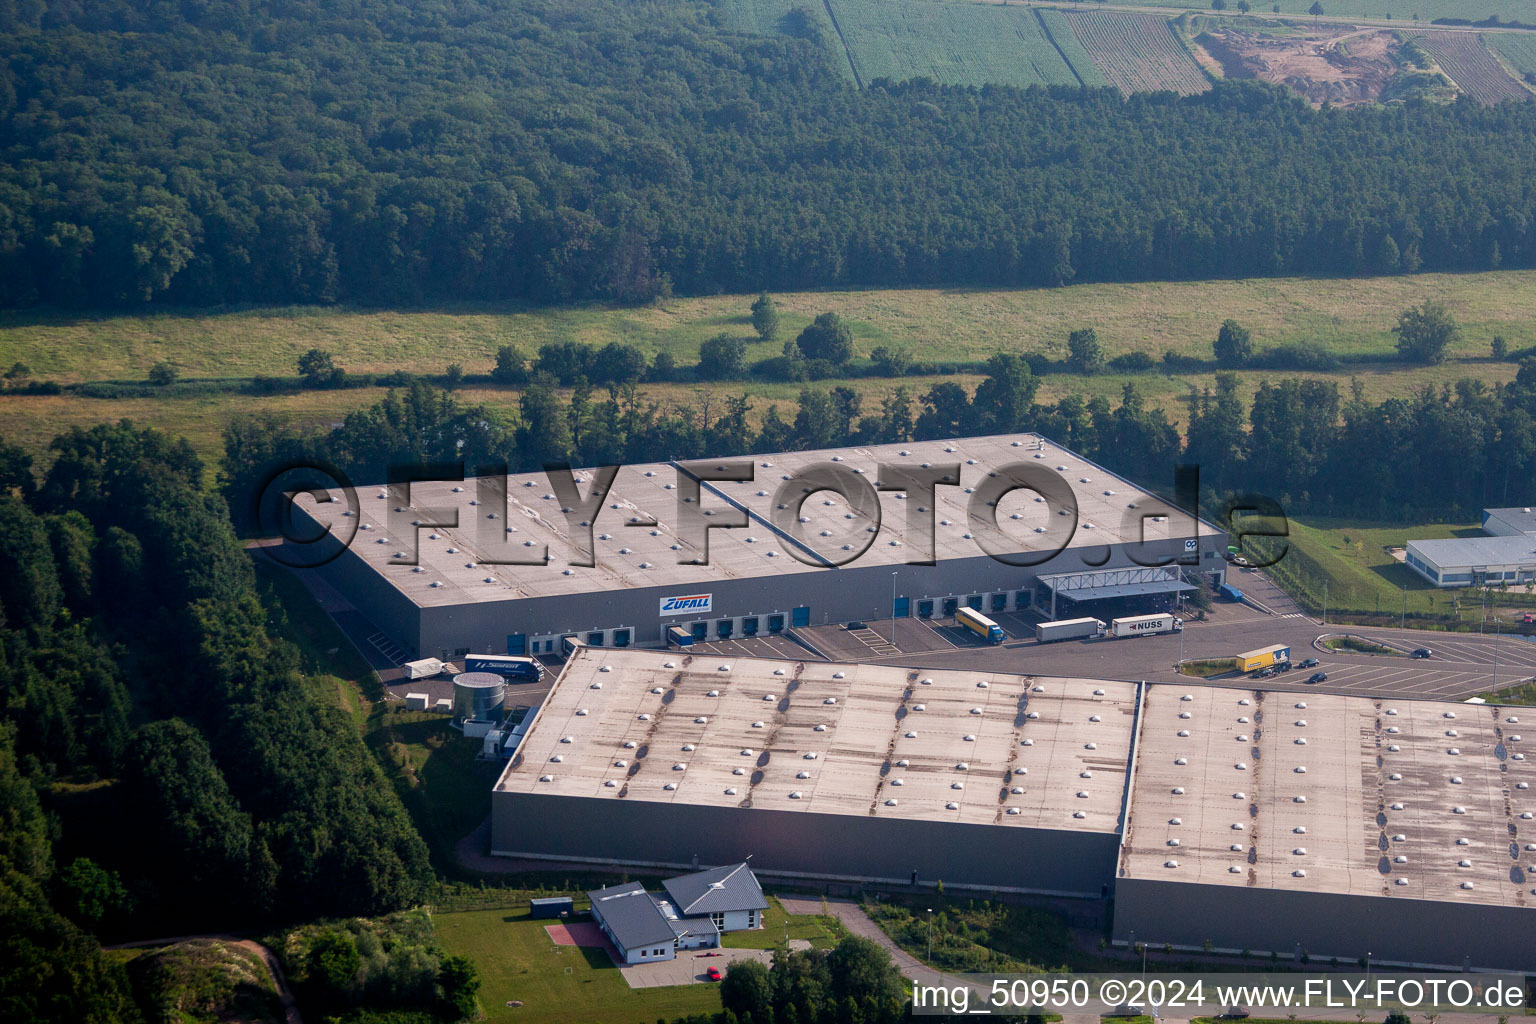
<point x="1334" y="64"/>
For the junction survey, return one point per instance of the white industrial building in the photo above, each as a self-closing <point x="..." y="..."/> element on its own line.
<point x="1506" y="556"/>
<point x="1271" y="821"/>
<point x="856" y="772"/>
<point x="836" y="561"/>
<point x="1324" y="825"/>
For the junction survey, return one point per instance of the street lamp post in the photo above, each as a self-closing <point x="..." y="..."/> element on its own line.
<point x="1325" y="602"/>
<point x="1498" y="631"/>
<point x="930" y="934"/>
<point x="1403" y="622"/>
<point x="893" y="608"/>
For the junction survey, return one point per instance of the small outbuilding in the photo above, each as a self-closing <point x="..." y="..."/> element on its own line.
<point x="550" y="907"/>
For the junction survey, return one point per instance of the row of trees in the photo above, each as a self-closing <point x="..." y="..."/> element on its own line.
<point x="1299" y="441"/>
<point x="309" y="153"/>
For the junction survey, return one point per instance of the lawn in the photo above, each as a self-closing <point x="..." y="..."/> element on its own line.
<point x="1366" y="583"/>
<point x="556" y="984"/>
<point x="1356" y="645"/>
<point x="1206" y="668"/>
<point x="821" y="930"/>
<point x="1362" y="575"/>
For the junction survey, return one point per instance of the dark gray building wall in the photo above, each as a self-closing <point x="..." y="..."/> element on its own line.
<point x="806" y="843"/>
<point x="385" y="606"/>
<point x="1390" y="929"/>
<point x="833" y="595"/>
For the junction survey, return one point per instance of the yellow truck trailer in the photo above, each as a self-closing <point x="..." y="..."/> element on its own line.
<point x="1263" y="658"/>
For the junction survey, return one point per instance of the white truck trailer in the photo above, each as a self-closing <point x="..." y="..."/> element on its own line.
<point x="1145" y="625"/>
<point x="1068" y="629"/>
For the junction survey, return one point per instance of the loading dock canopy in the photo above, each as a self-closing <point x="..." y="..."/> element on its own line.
<point x="1112" y="583"/>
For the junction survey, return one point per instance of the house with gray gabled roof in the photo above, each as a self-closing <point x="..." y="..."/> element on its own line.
<point x="696" y="910"/>
<point x="629" y="916"/>
<point x="729" y="896"/>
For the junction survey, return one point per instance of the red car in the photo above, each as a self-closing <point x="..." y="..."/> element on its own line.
<point x="713" y="974"/>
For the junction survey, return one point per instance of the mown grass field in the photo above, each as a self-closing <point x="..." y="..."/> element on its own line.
<point x="1350" y="317"/>
<point x="821" y="931"/>
<point x="556" y="984"/>
<point x="1364" y="578"/>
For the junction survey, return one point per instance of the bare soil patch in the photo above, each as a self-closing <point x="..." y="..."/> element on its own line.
<point x="1340" y="65"/>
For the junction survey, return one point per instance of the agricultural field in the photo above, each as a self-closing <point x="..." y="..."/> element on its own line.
<point x="954" y="44"/>
<point x="1071" y="47"/>
<point x="1138" y="52"/>
<point x="967" y="44"/>
<point x="1517" y="48"/>
<point x="1394" y="10"/>
<point x="1467" y="61"/>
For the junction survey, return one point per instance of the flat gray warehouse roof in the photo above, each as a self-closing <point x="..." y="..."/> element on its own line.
<point x="1324" y="793"/>
<point x="632" y="551"/>
<point x="1460" y="552"/>
<point x="948" y="746"/>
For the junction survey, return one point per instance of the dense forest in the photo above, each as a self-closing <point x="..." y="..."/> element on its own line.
<point x="379" y="151"/>
<point x="1302" y="442"/>
<point x="163" y="768"/>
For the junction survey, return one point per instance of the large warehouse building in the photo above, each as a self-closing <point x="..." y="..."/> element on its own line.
<point x="440" y="593"/>
<point x="858" y="772"/>
<point x="1261" y="820"/>
<point x="1506" y="556"/>
<point x="1337" y="826"/>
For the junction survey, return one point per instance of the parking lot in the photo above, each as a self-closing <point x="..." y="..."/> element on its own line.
<point x="753" y="647"/>
<point x="1462" y="665"/>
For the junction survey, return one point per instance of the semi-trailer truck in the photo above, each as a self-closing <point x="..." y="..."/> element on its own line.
<point x="1068" y="629"/>
<point x="521" y="670"/>
<point x="1145" y="625"/>
<point x="1262" y="658"/>
<point x="973" y="620"/>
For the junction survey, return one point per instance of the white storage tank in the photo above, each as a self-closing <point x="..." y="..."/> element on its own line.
<point x="477" y="695"/>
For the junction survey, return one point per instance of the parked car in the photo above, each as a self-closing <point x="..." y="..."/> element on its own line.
<point x="1282" y="666"/>
<point x="713" y="974"/>
<point x="856" y="624"/>
<point x="1318" y="677"/>
<point x="1309" y="663"/>
<point x="1125" y="1010"/>
<point x="1423" y="652"/>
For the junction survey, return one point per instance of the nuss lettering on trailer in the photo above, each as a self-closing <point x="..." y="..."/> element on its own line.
<point x="700" y="603"/>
